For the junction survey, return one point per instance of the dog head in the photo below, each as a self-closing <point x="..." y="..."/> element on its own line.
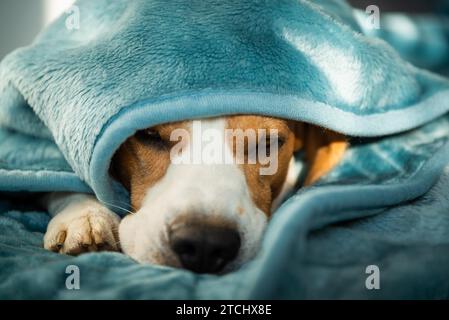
<point x="203" y="191"/>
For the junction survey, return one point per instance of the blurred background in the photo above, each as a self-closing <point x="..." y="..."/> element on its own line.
<point x="400" y="5"/>
<point x="21" y="20"/>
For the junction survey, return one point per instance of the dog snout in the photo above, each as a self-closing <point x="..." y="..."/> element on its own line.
<point x="205" y="249"/>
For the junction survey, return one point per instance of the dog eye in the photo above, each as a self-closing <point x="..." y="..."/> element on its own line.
<point x="281" y="142"/>
<point x="150" y="136"/>
<point x="267" y="151"/>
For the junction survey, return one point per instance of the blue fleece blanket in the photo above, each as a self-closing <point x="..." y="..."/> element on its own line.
<point x="71" y="98"/>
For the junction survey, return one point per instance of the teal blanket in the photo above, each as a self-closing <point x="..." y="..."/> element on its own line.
<point x="72" y="97"/>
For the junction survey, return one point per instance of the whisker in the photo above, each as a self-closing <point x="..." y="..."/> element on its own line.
<point x="118" y="207"/>
<point x="126" y="204"/>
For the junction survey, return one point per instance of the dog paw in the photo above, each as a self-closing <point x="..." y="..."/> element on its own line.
<point x="83" y="227"/>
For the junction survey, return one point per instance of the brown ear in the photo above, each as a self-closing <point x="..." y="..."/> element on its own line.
<point x="324" y="150"/>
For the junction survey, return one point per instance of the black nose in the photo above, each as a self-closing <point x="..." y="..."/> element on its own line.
<point x="205" y="249"/>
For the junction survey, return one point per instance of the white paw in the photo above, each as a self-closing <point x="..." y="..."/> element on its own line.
<point x="83" y="227"/>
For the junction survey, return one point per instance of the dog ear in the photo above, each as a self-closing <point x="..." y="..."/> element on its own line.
<point x="324" y="150"/>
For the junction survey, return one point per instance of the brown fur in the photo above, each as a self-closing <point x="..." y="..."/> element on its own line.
<point x="324" y="150"/>
<point x="138" y="166"/>
<point x="264" y="189"/>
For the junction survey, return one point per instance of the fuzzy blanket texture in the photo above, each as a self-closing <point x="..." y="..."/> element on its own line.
<point x="72" y="97"/>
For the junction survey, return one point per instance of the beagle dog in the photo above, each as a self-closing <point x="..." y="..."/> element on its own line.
<point x="204" y="216"/>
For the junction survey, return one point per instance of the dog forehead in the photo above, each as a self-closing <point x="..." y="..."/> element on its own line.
<point x="256" y="122"/>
